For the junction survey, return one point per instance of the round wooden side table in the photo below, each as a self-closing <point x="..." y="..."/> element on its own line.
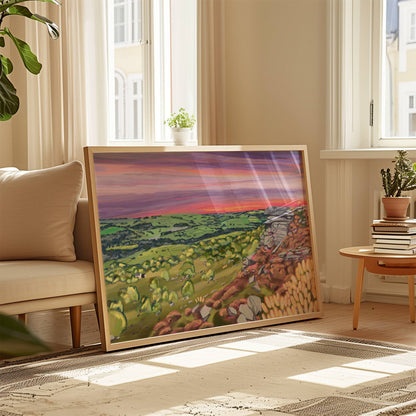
<point x="378" y="263"/>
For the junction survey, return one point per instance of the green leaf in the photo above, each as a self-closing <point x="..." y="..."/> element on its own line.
<point x="2" y="42"/>
<point x="10" y="3"/>
<point x="16" y="340"/>
<point x="28" y="57"/>
<point x="6" y="65"/>
<point x="9" y="101"/>
<point x="24" y="11"/>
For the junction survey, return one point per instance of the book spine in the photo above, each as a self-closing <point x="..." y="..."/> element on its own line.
<point x="395" y="242"/>
<point x="394" y="231"/>
<point x="389" y="236"/>
<point x="394" y="246"/>
<point x="398" y="230"/>
<point x="393" y="251"/>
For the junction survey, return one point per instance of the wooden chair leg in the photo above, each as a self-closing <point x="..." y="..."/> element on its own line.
<point x="358" y="290"/>
<point x="97" y="314"/>
<point x="411" y="281"/>
<point x="23" y="318"/>
<point x="75" y="314"/>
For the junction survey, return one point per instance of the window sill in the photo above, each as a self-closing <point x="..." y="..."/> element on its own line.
<point x="363" y="154"/>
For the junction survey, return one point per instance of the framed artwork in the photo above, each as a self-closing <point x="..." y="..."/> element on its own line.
<point x="202" y="240"/>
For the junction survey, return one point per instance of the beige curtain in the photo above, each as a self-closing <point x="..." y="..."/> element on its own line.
<point x="67" y="101"/>
<point x="211" y="72"/>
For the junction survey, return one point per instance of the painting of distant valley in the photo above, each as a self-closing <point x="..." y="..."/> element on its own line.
<point x="194" y="242"/>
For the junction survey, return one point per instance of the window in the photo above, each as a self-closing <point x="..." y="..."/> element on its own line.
<point x="412" y="115"/>
<point x="399" y="70"/>
<point x="120" y="23"/>
<point x="372" y="48"/>
<point x="412" y="27"/>
<point x="149" y="48"/>
<point x="127" y="21"/>
<point x="119" y="105"/>
<point x="135" y="104"/>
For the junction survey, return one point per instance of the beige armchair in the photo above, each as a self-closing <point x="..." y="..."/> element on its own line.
<point x="37" y="285"/>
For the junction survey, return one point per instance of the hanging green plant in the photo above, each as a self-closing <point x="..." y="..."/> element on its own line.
<point x="9" y="101"/>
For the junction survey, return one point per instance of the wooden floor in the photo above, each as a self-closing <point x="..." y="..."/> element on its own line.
<point x="378" y="321"/>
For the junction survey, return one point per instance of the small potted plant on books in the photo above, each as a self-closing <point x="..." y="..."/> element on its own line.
<point x="181" y="125"/>
<point x="403" y="179"/>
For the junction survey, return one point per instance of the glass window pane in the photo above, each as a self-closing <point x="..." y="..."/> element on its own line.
<point x="136" y="120"/>
<point x="119" y="22"/>
<point x="412" y="124"/>
<point x="399" y="68"/>
<point x="129" y="66"/>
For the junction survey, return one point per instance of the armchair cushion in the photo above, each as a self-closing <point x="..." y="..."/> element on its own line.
<point x="37" y="212"/>
<point x="22" y="281"/>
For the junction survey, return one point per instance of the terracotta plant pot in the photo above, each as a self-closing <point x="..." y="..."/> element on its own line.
<point x="396" y="207"/>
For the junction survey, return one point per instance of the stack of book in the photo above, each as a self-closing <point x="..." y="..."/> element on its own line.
<point x="394" y="237"/>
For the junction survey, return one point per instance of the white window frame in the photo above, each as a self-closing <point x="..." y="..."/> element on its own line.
<point x="355" y="77"/>
<point x="131" y="35"/>
<point x="406" y="90"/>
<point x="412" y="27"/>
<point x="121" y="79"/>
<point x="130" y="99"/>
<point x="134" y="31"/>
<point x="122" y="5"/>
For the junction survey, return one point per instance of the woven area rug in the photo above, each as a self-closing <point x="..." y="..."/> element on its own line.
<point x="268" y="371"/>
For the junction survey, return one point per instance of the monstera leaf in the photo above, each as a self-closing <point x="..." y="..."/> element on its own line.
<point x="9" y="101"/>
<point x="16" y="340"/>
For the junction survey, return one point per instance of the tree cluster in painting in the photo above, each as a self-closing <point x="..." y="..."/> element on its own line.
<point x="167" y="274"/>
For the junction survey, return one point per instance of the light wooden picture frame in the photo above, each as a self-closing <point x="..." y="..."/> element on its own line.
<point x="192" y="241"/>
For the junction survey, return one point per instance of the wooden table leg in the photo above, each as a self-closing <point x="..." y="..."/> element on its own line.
<point x="358" y="290"/>
<point x="411" y="281"/>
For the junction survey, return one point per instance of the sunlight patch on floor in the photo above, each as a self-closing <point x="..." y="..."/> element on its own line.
<point x="269" y="343"/>
<point x="117" y="373"/>
<point x="407" y="358"/>
<point x="382" y="365"/>
<point x="200" y="357"/>
<point x="232" y="404"/>
<point x="339" y="377"/>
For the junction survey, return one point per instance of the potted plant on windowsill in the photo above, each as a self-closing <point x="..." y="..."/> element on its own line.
<point x="181" y="125"/>
<point x="403" y="179"/>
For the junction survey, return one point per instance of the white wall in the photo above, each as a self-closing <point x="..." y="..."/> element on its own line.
<point x="276" y="82"/>
<point x="6" y="146"/>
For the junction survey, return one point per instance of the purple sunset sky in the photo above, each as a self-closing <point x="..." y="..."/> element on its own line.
<point x="138" y="184"/>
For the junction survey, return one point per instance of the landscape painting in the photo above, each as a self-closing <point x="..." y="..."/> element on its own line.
<point x="192" y="242"/>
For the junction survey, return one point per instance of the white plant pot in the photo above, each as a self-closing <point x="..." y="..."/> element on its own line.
<point x="181" y="136"/>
